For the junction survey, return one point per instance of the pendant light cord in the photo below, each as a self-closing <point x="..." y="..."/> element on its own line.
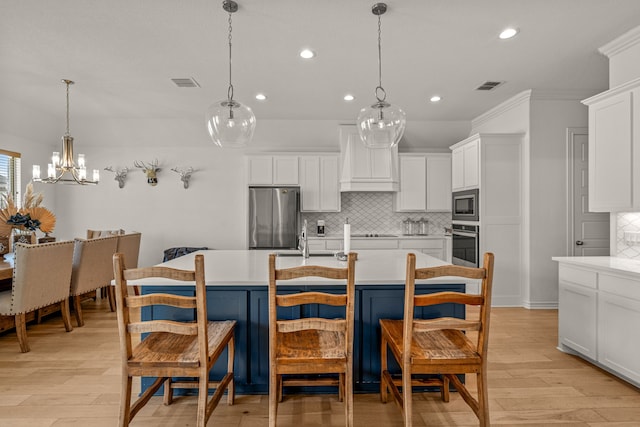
<point x="67" y="133"/>
<point x="230" y="89"/>
<point x="380" y="90"/>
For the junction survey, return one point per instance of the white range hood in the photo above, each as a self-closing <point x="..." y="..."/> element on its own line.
<point x="366" y="169"/>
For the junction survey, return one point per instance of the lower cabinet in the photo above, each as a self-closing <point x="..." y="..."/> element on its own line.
<point x="249" y="306"/>
<point x="599" y="314"/>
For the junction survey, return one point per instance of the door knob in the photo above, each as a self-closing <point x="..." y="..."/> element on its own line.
<point x="579" y="242"/>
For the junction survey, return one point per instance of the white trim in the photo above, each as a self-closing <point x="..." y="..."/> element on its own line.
<point x="548" y="305"/>
<point x="622" y="43"/>
<point x="500" y="109"/>
<point x="623" y="88"/>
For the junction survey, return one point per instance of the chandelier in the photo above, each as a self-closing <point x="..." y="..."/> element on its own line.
<point x="382" y="124"/>
<point x="63" y="169"/>
<point x="230" y="123"/>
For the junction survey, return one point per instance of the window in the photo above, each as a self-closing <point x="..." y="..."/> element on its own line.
<point x="10" y="174"/>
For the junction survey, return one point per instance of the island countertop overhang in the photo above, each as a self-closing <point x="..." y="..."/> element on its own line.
<point x="250" y="268"/>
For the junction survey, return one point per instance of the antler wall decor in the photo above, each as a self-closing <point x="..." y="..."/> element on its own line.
<point x="185" y="174"/>
<point x="121" y="175"/>
<point x="150" y="170"/>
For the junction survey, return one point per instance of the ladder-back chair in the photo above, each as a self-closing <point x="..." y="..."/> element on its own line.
<point x="171" y="348"/>
<point x="311" y="345"/>
<point x="438" y="346"/>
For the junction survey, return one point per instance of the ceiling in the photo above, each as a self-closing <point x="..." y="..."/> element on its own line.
<point x="123" y="53"/>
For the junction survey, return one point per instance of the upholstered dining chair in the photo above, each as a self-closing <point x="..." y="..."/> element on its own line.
<point x="171" y="348"/>
<point x="439" y="346"/>
<point x="93" y="234"/>
<point x="302" y="347"/>
<point x="41" y="276"/>
<point x="92" y="269"/>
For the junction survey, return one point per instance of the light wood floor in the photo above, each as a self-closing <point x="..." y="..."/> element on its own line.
<point x="73" y="379"/>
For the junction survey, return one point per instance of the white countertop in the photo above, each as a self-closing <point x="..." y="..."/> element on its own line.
<point x="250" y="267"/>
<point x="387" y="237"/>
<point x="606" y="263"/>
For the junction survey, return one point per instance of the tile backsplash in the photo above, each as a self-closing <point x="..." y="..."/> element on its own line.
<point x="372" y="212"/>
<point x="628" y="221"/>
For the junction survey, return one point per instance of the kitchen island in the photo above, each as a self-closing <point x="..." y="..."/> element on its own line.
<point x="237" y="283"/>
<point x="599" y="312"/>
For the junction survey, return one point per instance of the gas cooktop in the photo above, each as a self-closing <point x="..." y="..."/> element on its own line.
<point x="374" y="235"/>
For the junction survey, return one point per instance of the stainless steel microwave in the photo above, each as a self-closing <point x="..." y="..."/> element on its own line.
<point x="464" y="205"/>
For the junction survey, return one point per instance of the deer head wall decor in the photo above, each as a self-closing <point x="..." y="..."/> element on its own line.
<point x="185" y="174"/>
<point x="150" y="170"/>
<point x="121" y="175"/>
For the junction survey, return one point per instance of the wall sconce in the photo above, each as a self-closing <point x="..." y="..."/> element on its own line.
<point x="185" y="174"/>
<point x="121" y="175"/>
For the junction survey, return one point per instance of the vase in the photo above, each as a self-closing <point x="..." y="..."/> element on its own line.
<point x="22" y="236"/>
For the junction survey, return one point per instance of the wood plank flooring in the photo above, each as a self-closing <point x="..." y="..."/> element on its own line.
<point x="73" y="379"/>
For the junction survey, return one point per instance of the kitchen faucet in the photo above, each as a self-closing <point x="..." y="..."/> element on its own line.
<point x="304" y="241"/>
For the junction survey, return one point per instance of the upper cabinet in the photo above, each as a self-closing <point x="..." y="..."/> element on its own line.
<point x="319" y="177"/>
<point x="273" y="170"/>
<point x="614" y="149"/>
<point x="366" y="169"/>
<point x="465" y="166"/>
<point x="425" y="183"/>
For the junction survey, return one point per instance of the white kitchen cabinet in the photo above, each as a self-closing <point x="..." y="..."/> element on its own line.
<point x="438" y="182"/>
<point x="272" y="170"/>
<point x="319" y="179"/>
<point x="599" y="313"/>
<point x="425" y="183"/>
<point x="465" y="170"/>
<point x="435" y="246"/>
<point x="366" y="169"/>
<point x="614" y="149"/>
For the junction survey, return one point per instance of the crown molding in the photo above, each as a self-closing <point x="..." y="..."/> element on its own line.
<point x="622" y="43"/>
<point x="500" y="109"/>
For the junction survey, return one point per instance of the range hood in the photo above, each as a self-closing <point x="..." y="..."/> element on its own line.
<point x="366" y="169"/>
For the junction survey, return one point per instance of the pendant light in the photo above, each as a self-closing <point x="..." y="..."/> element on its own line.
<point x="230" y="123"/>
<point x="382" y="124"/>
<point x="65" y="170"/>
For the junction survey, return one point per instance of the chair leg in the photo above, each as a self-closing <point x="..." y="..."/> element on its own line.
<point x="348" y="399"/>
<point x="280" y="393"/>
<point x="483" y="400"/>
<point x="168" y="392"/>
<point x="444" y="391"/>
<point x="203" y="395"/>
<point x="274" y="395"/>
<point x="341" y="378"/>
<point x="111" y="291"/>
<point x="77" y="309"/>
<point x="21" y="331"/>
<point x="231" y="388"/>
<point x="125" y="401"/>
<point x="66" y="315"/>
<point x="383" y="368"/>
<point x="407" y="396"/>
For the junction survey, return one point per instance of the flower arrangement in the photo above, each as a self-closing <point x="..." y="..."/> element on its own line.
<point x="31" y="216"/>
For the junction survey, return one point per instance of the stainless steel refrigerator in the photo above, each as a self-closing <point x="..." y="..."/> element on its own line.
<point x="273" y="217"/>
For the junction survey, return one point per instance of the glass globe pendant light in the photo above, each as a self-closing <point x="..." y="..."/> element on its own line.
<point x="230" y="123"/>
<point x="382" y="124"/>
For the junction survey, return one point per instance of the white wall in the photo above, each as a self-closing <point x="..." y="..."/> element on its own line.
<point x="545" y="119"/>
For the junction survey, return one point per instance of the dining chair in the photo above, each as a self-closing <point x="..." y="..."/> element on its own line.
<point x="318" y="345"/>
<point x="129" y="247"/>
<point x="171" y="348"/>
<point x="438" y="346"/>
<point x="93" y="234"/>
<point x="41" y="276"/>
<point x="92" y="269"/>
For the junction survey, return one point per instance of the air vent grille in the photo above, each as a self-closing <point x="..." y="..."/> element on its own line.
<point x="489" y="85"/>
<point x="188" y="82"/>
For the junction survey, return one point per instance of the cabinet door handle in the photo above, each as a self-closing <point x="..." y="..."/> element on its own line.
<point x="579" y="242"/>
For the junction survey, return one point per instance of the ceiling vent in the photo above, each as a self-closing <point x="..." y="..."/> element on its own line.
<point x="489" y="85"/>
<point x="190" y="82"/>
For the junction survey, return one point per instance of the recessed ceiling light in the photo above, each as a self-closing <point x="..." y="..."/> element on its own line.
<point x="261" y="97"/>
<point x="507" y="33"/>
<point x="349" y="97"/>
<point x="307" y="54"/>
<point x="435" y="98"/>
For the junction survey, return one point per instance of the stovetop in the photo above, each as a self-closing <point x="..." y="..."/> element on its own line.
<point x="374" y="235"/>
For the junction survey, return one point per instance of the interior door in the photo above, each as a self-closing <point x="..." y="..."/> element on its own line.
<point x="590" y="229"/>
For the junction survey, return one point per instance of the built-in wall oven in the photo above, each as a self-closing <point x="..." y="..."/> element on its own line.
<point x="464" y="205"/>
<point x="466" y="245"/>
